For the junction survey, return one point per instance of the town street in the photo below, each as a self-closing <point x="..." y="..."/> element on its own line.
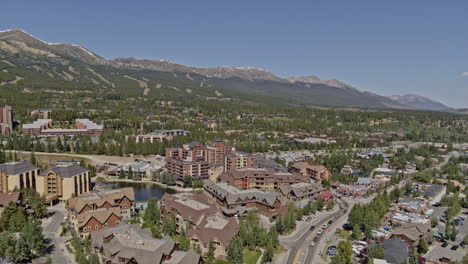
<point x="298" y="242"/>
<point x="52" y="228"/>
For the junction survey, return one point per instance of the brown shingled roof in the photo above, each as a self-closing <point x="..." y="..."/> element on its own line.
<point x="207" y="232"/>
<point x="6" y="198"/>
<point x="175" y="204"/>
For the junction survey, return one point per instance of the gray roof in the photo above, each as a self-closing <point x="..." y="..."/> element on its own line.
<point x="301" y="189"/>
<point x="13" y="168"/>
<point x="231" y="194"/>
<point x="262" y="162"/>
<point x="66" y="170"/>
<point x="132" y="242"/>
<point x="183" y="257"/>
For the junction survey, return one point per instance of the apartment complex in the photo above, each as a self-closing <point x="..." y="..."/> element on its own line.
<point x="238" y="160"/>
<point x="43" y="127"/>
<point x="216" y="151"/>
<point x="266" y="179"/>
<point x="316" y="172"/>
<point x="132" y="244"/>
<point x="6" y="120"/>
<point x="195" y="213"/>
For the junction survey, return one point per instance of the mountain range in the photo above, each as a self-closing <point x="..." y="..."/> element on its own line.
<point x="28" y="62"/>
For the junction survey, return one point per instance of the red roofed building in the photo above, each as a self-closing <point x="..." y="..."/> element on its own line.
<point x="326" y="196"/>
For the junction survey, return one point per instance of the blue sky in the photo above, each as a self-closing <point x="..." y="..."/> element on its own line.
<point x="386" y="47"/>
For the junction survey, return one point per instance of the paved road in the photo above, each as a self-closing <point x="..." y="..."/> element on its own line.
<point x="300" y="251"/>
<point x="52" y="229"/>
<point x="312" y="252"/>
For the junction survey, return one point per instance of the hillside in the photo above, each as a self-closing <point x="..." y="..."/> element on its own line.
<point x="30" y="64"/>
<point x="419" y="102"/>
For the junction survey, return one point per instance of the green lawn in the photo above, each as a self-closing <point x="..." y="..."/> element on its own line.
<point x="250" y="257"/>
<point x="219" y="261"/>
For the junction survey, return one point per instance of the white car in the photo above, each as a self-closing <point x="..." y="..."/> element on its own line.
<point x="324" y="226"/>
<point x="312" y="244"/>
<point x="319" y="232"/>
<point x="315" y="216"/>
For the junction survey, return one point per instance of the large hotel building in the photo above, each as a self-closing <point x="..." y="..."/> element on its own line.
<point x="58" y="183"/>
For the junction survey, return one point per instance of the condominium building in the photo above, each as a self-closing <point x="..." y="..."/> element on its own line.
<point x="199" y="216"/>
<point x="18" y="175"/>
<point x="316" y="172"/>
<point x="132" y="244"/>
<point x="6" y="120"/>
<point x="197" y="169"/>
<point x="238" y="160"/>
<point x="123" y="198"/>
<point x="216" y="151"/>
<point x="189" y="151"/>
<point x="266" y="179"/>
<point x="235" y="201"/>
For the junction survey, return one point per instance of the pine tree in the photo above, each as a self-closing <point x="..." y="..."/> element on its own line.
<point x="234" y="251"/>
<point x="32" y="158"/>
<point x="22" y="251"/>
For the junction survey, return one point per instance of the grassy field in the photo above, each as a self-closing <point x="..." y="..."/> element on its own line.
<point x="219" y="261"/>
<point x="250" y="257"/>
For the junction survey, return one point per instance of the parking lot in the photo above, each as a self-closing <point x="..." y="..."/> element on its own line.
<point x="436" y="250"/>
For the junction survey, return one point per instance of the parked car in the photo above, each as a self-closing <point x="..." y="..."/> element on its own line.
<point x="312" y="228"/>
<point x="324" y="226"/>
<point x="315" y="239"/>
<point x="454" y="247"/>
<point x="331" y="221"/>
<point x="444" y="244"/>
<point x="309" y="219"/>
<point x="312" y="244"/>
<point x="319" y="232"/>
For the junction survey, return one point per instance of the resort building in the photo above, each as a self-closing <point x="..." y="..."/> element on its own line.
<point x="18" y="175"/>
<point x="63" y="182"/>
<point x="216" y="151"/>
<point x="300" y="191"/>
<point x="316" y="172"/>
<point x="198" y="215"/>
<point x="261" y="178"/>
<point x="197" y="169"/>
<point x="238" y="160"/>
<point x="140" y="170"/>
<point x="132" y="244"/>
<point x="234" y="201"/>
<point x="187" y="208"/>
<point x="123" y="198"/>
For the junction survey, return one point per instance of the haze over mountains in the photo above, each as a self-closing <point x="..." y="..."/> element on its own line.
<point x="26" y="61"/>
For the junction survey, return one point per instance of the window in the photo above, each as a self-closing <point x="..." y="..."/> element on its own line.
<point x="105" y="225"/>
<point x="96" y="227"/>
